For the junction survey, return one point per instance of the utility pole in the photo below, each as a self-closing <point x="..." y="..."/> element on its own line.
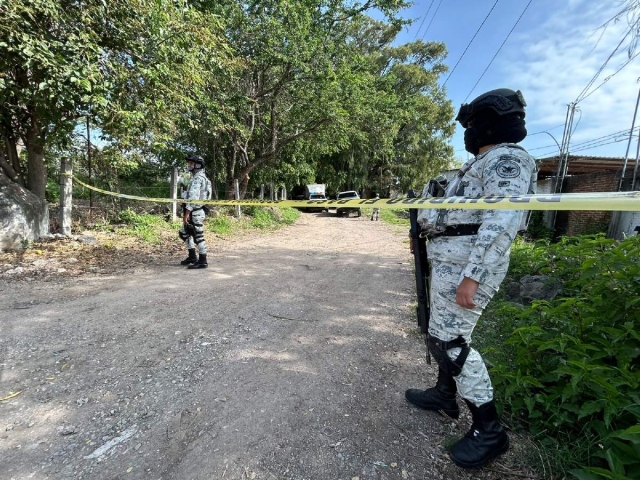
<point x="563" y="159"/>
<point x="635" y="168"/>
<point x="626" y="155"/>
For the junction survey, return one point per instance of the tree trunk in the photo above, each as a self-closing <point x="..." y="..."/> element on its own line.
<point x="244" y="183"/>
<point x="231" y="166"/>
<point x="37" y="170"/>
<point x="9" y="160"/>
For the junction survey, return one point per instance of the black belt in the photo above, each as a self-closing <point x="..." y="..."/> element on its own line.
<point x="457" y="230"/>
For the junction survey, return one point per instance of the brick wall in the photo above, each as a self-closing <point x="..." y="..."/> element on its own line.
<point x="577" y="223"/>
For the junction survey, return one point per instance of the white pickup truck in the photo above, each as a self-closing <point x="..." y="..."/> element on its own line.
<point x="348" y="195"/>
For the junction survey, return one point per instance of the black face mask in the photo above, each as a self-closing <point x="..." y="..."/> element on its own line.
<point x="492" y="129"/>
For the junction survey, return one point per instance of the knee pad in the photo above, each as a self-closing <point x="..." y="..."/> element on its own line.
<point x="439" y="348"/>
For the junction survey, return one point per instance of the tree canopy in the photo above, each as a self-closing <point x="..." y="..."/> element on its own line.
<point x="266" y="90"/>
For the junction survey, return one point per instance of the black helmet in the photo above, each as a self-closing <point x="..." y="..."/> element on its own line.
<point x="502" y="101"/>
<point x="197" y="159"/>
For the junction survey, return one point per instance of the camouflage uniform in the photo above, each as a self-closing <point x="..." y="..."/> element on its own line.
<point x="505" y="169"/>
<point x="199" y="189"/>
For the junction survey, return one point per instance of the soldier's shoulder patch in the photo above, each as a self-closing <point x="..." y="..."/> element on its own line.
<point x="508" y="167"/>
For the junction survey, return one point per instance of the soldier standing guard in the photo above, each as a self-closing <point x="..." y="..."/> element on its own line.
<point x="469" y="256"/>
<point x="193" y="215"/>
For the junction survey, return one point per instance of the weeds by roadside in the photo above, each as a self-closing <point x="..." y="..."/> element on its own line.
<point x="566" y="369"/>
<point x="150" y="227"/>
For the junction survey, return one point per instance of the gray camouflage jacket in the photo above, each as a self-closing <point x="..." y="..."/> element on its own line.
<point x="199" y="189"/>
<point x="505" y="169"/>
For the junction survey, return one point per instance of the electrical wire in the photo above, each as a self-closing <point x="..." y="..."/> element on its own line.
<point x="423" y="19"/>
<point x="581" y="96"/>
<point x="611" y="76"/>
<point x="593" y="140"/>
<point x="505" y="41"/>
<point x="573" y="150"/>
<point x="434" y="16"/>
<point x="470" y="42"/>
<point x="545" y="131"/>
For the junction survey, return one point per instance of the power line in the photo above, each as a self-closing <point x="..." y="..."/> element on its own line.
<point x="602" y="67"/>
<point x="423" y="19"/>
<point x="494" y="57"/>
<point x="593" y="140"/>
<point x="545" y="131"/>
<point x="470" y="42"/>
<point x="611" y="76"/>
<point x="434" y="16"/>
<point x="573" y="150"/>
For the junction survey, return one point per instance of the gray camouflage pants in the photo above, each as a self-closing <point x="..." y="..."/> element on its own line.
<point x="449" y="320"/>
<point x="197" y="221"/>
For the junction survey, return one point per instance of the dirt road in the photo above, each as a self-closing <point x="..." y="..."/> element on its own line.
<point x="286" y="359"/>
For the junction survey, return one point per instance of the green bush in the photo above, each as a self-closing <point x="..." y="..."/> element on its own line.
<point x="52" y="190"/>
<point x="221" y="224"/>
<point x="270" y="217"/>
<point x="145" y="226"/>
<point x="571" y="368"/>
<point x="537" y="228"/>
<point x="395" y="217"/>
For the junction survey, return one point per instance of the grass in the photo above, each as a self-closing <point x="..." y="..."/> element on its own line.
<point x="150" y="228"/>
<point x="146" y="227"/>
<point x="395" y="217"/>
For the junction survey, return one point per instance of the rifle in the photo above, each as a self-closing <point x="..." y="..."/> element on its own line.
<point x="419" y="250"/>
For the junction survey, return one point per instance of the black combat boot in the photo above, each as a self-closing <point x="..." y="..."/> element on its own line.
<point x="442" y="397"/>
<point x="484" y="442"/>
<point x="191" y="259"/>
<point x="201" y="263"/>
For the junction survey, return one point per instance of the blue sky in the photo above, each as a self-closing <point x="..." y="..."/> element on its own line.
<point x="551" y="56"/>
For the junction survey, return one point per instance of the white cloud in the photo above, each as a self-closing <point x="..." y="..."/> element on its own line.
<point x="552" y="64"/>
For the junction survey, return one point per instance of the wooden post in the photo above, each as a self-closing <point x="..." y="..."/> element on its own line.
<point x="262" y="192"/>
<point x="174" y="193"/>
<point x="66" y="184"/>
<point x="90" y="168"/>
<point x="237" y="195"/>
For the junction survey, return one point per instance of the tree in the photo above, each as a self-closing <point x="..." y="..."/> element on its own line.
<point x="295" y="77"/>
<point x="403" y="120"/>
<point x="133" y="65"/>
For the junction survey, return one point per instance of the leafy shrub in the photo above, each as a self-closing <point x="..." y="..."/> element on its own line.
<point x="537" y="229"/>
<point x="143" y="226"/>
<point x="270" y="217"/>
<point x="575" y="365"/>
<point x="220" y="224"/>
<point x="52" y="190"/>
<point x="395" y="217"/>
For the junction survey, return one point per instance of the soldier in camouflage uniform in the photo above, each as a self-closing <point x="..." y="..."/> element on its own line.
<point x="469" y="253"/>
<point x="192" y="230"/>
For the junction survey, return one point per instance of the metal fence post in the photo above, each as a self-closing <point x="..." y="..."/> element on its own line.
<point x="66" y="198"/>
<point x="237" y="195"/>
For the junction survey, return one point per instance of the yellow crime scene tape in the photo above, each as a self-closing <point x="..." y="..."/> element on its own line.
<point x="604" y="201"/>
